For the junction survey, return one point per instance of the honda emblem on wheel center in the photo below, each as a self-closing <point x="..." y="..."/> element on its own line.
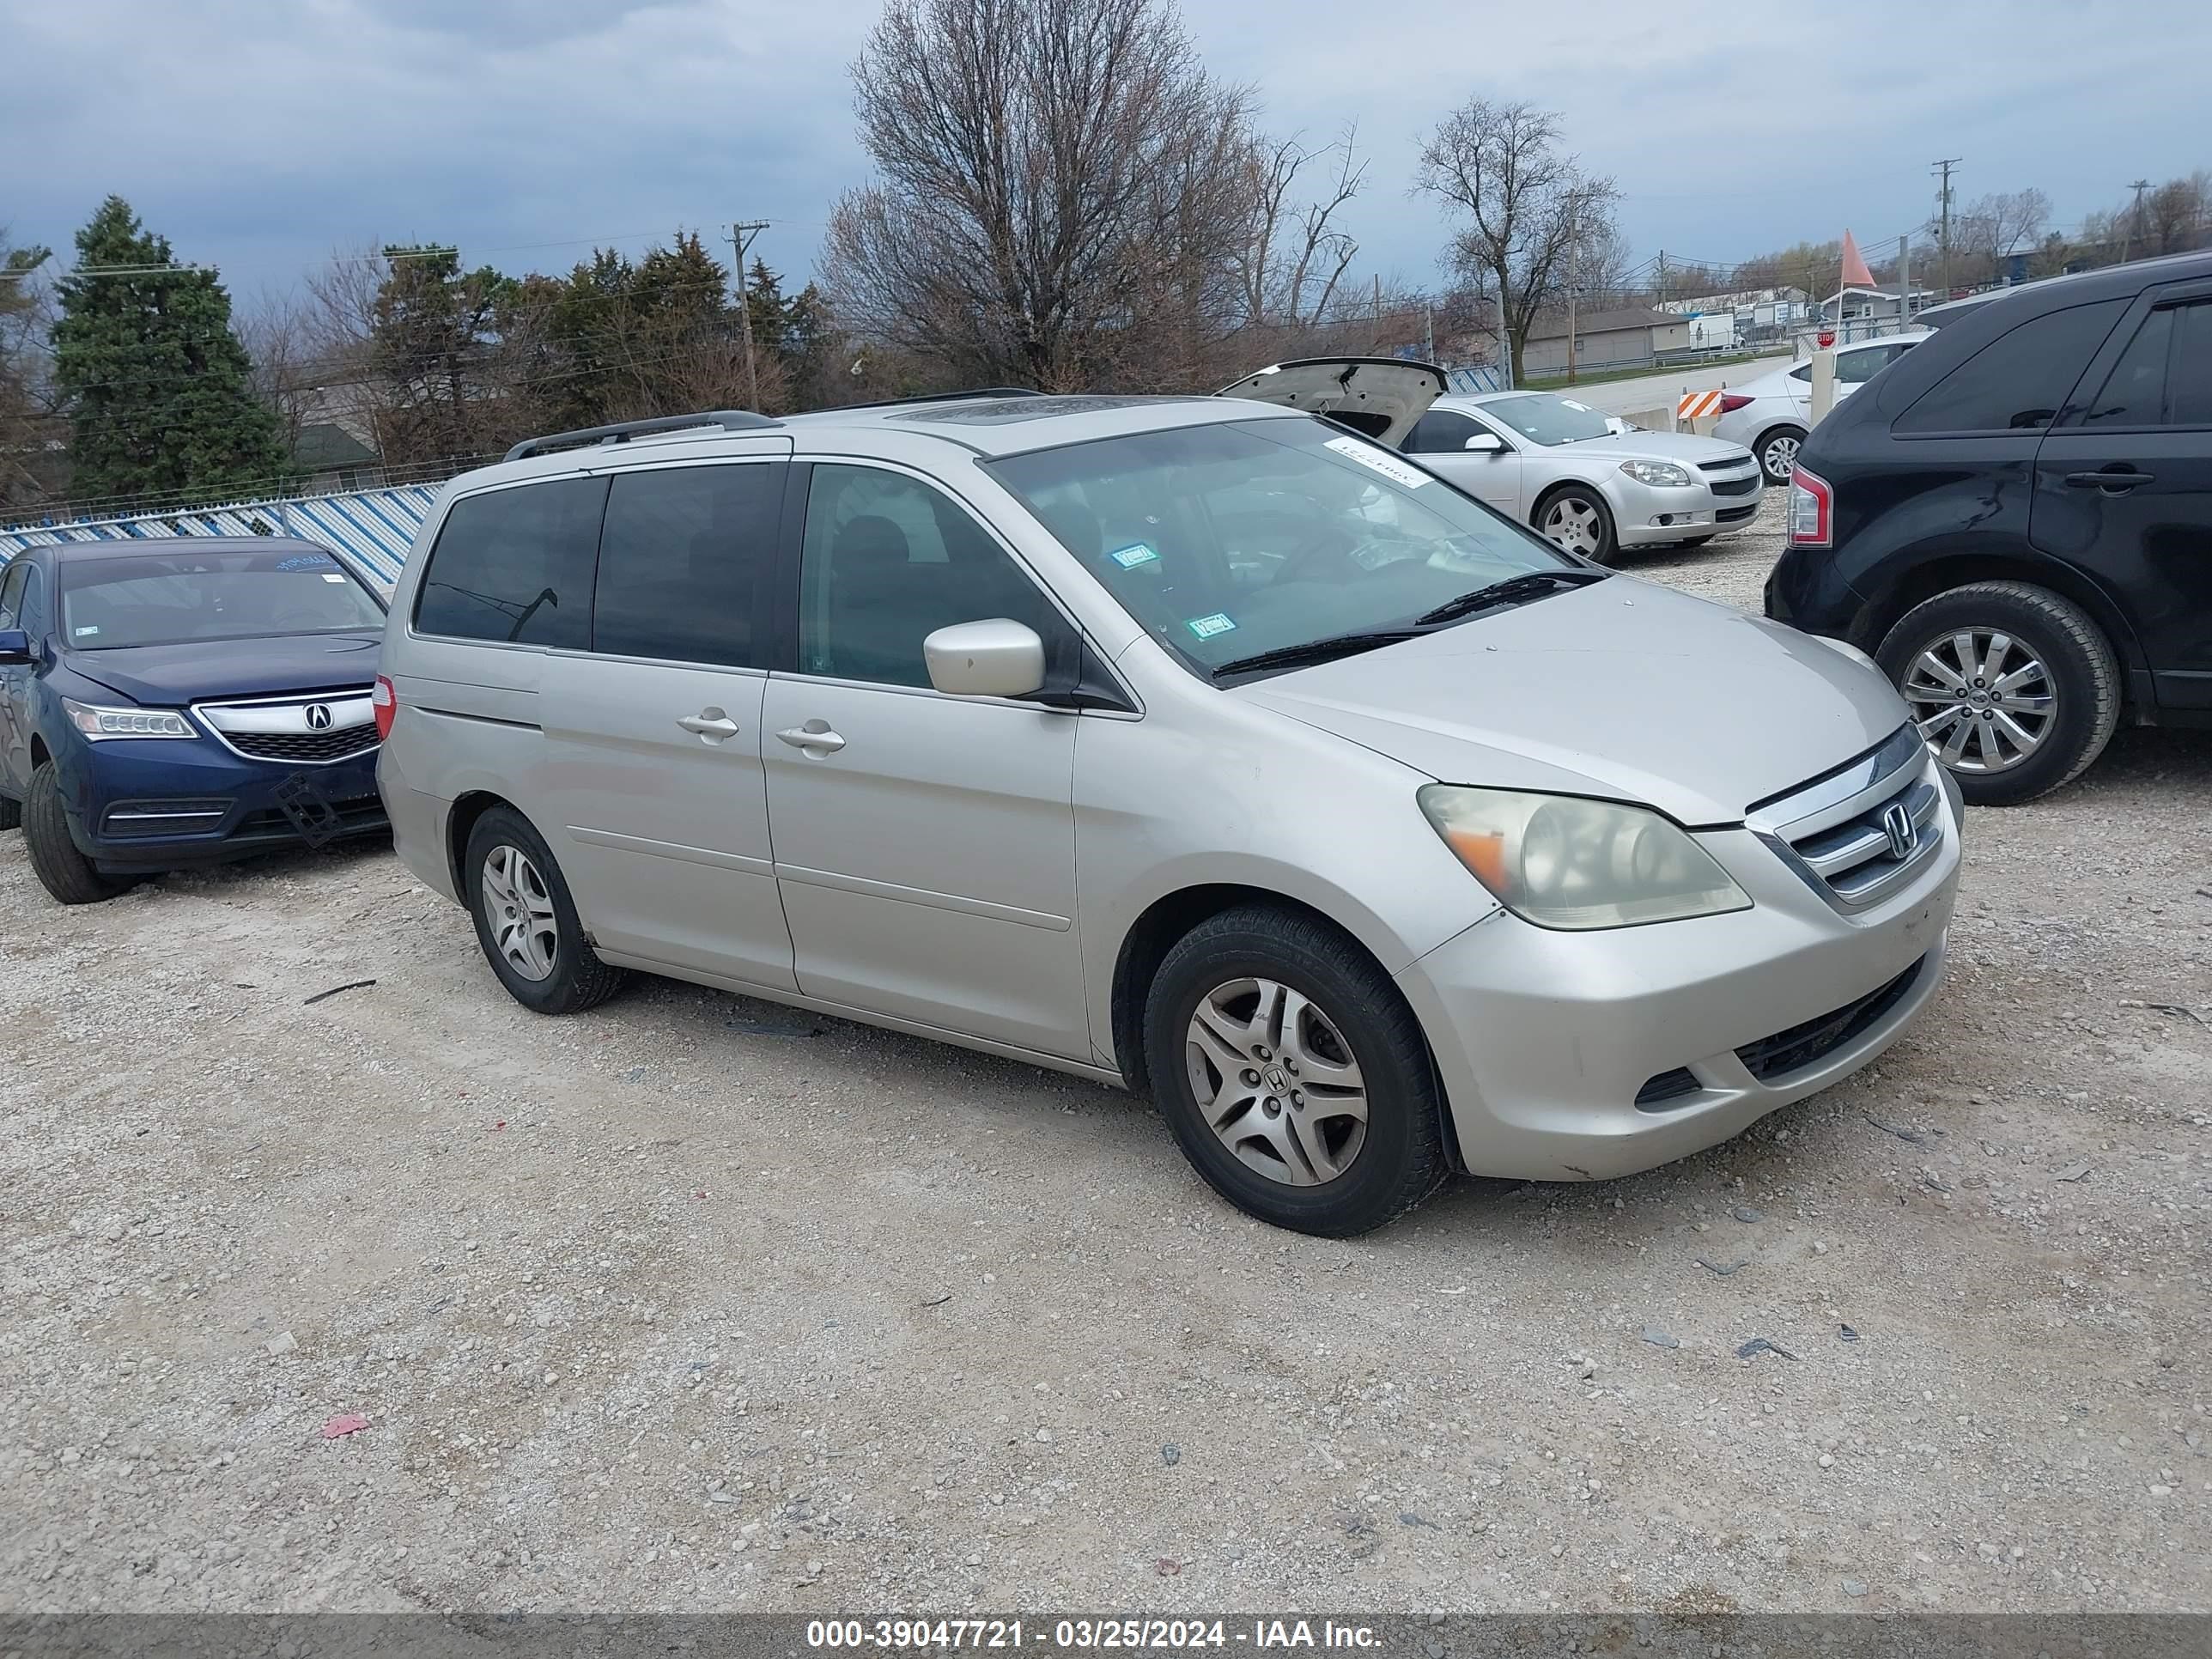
<point x="1904" y="835"/>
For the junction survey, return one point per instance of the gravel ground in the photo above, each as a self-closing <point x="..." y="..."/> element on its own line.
<point x="694" y="1302"/>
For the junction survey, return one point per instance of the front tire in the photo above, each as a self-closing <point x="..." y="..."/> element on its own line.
<point x="1777" y="454"/>
<point x="61" y="870"/>
<point x="2017" y="688"/>
<point x="1294" y="1076"/>
<point x="527" y="922"/>
<point x="1576" y="520"/>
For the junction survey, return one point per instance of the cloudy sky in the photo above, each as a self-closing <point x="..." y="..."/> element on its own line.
<point x="266" y="136"/>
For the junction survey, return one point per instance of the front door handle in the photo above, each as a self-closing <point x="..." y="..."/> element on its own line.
<point x="711" y="724"/>
<point x="815" y="734"/>
<point x="2111" y="479"/>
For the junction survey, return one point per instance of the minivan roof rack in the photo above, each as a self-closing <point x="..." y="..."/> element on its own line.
<point x="730" y="420"/>
<point x="941" y="398"/>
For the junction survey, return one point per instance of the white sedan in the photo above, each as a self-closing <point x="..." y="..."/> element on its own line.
<point x="1771" y="416"/>
<point x="1584" y="480"/>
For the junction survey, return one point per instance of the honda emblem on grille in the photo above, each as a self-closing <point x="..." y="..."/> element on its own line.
<point x="319" y="720"/>
<point x="1904" y="835"/>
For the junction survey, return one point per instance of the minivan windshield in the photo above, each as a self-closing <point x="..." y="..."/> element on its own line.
<point x="1246" y="538"/>
<point x="171" y="598"/>
<point x="1543" y="419"/>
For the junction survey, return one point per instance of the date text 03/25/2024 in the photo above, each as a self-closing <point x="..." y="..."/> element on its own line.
<point x="1083" y="1634"/>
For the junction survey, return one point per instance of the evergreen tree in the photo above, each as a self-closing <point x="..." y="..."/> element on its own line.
<point x="154" y="382"/>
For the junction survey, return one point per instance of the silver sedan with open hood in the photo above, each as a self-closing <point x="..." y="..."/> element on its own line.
<point x="1198" y="745"/>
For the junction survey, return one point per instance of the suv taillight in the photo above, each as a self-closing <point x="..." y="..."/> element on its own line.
<point x="385" y="704"/>
<point x="1812" y="509"/>
<point x="1732" y="401"/>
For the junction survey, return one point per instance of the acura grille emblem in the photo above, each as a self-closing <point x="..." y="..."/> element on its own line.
<point x="319" y="720"/>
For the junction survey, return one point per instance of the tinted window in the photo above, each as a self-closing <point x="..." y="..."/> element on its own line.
<point x="186" y="592"/>
<point x="888" y="561"/>
<point x="680" y="560"/>
<point x="2134" y="394"/>
<point x="1441" y="431"/>
<point x="2018" y="380"/>
<point x="11" y="592"/>
<point x="516" y="564"/>
<point x="2192" y="367"/>
<point x="1858" y="368"/>
<point x="31" y="610"/>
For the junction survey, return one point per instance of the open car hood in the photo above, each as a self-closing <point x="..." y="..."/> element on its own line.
<point x="1379" y="398"/>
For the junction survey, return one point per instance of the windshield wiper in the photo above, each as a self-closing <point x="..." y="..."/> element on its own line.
<point x="1531" y="585"/>
<point x="1314" y="651"/>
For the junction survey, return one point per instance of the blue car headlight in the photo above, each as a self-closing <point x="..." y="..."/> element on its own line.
<point x="97" y="723"/>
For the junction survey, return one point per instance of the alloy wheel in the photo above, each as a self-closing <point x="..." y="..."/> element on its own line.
<point x="1573" y="524"/>
<point x="1276" y="1081"/>
<point x="1779" y="457"/>
<point x="519" y="908"/>
<point x="1982" y="698"/>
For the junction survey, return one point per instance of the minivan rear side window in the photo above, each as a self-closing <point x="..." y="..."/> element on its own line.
<point x="681" y="559"/>
<point x="2017" y="381"/>
<point x="516" y="565"/>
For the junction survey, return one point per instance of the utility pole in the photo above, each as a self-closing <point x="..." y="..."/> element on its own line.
<point x="741" y="239"/>
<point x="1662" y="279"/>
<point x="2135" y="225"/>
<point x="1943" y="237"/>
<point x="1428" y="332"/>
<point x="1905" y="282"/>
<point x="1574" y="279"/>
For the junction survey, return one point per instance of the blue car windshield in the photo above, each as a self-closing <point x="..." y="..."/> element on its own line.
<point x="174" y="597"/>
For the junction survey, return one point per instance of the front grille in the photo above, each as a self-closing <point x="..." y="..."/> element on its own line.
<point x="357" y="812"/>
<point x="1668" y="1085"/>
<point x="196" y="815"/>
<point x="1732" y="514"/>
<point x="1725" y="466"/>
<point x="1742" y="486"/>
<point x="1858" y="834"/>
<point x="321" y="746"/>
<point x="1802" y="1045"/>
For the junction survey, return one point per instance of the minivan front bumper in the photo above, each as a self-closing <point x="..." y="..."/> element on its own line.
<point x="1545" y="1040"/>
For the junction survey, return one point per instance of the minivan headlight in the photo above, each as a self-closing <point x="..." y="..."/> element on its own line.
<point x="96" y="722"/>
<point x="1561" y="861"/>
<point x="1663" y="473"/>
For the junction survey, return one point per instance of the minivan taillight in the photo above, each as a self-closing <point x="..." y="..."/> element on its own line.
<point x="1732" y="401"/>
<point x="385" y="704"/>
<point x="1812" y="509"/>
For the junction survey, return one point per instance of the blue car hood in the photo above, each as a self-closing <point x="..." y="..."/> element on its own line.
<point x="165" y="676"/>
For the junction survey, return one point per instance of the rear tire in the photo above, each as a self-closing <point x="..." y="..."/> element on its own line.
<point x="1296" y="1005"/>
<point x="1776" y="450"/>
<point x="527" y="922"/>
<point x="1574" y="518"/>
<point x="61" y="870"/>
<point x="2056" y="680"/>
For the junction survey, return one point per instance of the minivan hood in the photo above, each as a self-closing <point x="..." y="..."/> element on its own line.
<point x="1378" y="397"/>
<point x="197" y="670"/>
<point x="1622" y="688"/>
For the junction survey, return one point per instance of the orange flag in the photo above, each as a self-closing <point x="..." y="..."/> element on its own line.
<point x="1855" y="274"/>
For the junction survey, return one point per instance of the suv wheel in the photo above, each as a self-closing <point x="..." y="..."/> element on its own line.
<point x="61" y="869"/>
<point x="2015" y="687"/>
<point x="1777" y="454"/>
<point x="526" y="922"/>
<point x="1293" y="1074"/>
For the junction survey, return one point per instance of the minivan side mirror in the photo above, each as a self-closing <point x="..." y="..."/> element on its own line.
<point x="1485" y="443"/>
<point x="999" y="657"/>
<point x="14" y="648"/>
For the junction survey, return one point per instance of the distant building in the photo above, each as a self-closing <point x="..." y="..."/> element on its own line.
<point x="1868" y="304"/>
<point x="1628" y="337"/>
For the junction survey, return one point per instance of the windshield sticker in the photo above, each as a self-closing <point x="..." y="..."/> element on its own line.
<point x="307" y="562"/>
<point x="1207" y="627"/>
<point x="88" y="630"/>
<point x="1131" y="556"/>
<point x="1382" y="460"/>
<point x="339" y="579"/>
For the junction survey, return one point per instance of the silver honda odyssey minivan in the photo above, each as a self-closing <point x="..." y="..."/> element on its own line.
<point x="1204" y="745"/>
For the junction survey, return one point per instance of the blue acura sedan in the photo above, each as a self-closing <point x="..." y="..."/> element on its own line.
<point x="183" y="702"/>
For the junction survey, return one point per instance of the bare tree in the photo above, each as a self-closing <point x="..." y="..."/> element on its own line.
<point x="1529" y="206"/>
<point x="1019" y="229"/>
<point x="1296" y="254"/>
<point x="33" y="463"/>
